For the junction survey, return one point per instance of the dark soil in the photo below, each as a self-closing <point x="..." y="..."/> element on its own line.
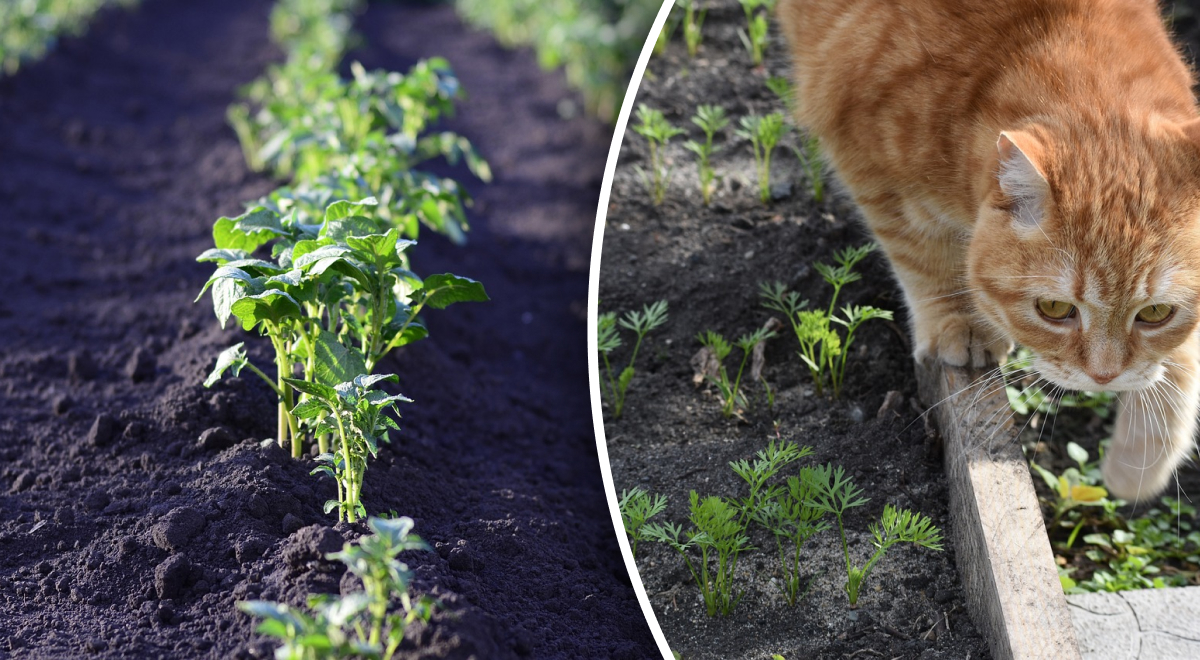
<point x="136" y="506"/>
<point x="707" y="262"/>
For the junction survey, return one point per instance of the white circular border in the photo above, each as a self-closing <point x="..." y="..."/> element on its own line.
<point x="593" y="312"/>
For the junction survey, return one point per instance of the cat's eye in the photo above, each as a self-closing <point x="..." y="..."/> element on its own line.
<point x="1056" y="310"/>
<point x="1155" y="313"/>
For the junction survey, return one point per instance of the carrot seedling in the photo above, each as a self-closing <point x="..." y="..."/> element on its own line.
<point x="782" y="88"/>
<point x="668" y="31"/>
<point x="609" y="339"/>
<point x="731" y="394"/>
<point x="809" y="152"/>
<point x="364" y="624"/>
<point x="637" y="507"/>
<point x="832" y="492"/>
<point x="658" y="132"/>
<point x="711" y="119"/>
<point x="754" y="37"/>
<point x="720" y="538"/>
<point x="764" y="134"/>
<point x="792" y="519"/>
<point x="768" y="462"/>
<point x="693" y="22"/>
<point x="822" y="349"/>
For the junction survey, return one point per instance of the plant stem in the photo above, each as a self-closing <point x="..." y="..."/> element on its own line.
<point x="737" y="382"/>
<point x="267" y="379"/>
<point x="283" y="368"/>
<point x="347" y="507"/>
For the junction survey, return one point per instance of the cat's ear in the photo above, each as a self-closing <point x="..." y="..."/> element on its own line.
<point x="1022" y="179"/>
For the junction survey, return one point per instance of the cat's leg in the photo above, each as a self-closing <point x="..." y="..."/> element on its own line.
<point x="1154" y="429"/>
<point x="929" y="258"/>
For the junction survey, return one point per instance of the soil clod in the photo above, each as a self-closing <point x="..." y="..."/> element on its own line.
<point x="170" y="576"/>
<point x="177" y="528"/>
<point x="141" y="365"/>
<point x="102" y="430"/>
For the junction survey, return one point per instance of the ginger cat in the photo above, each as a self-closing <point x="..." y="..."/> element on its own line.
<point x="1032" y="171"/>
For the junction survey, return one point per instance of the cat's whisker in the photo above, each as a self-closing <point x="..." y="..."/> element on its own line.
<point x="1028" y="421"/>
<point x="962" y="292"/>
<point x="983" y="378"/>
<point x="1000" y="424"/>
<point x="987" y="391"/>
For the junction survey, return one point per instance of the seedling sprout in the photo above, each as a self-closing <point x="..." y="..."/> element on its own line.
<point x="609" y="339"/>
<point x="658" y="132"/>
<point x="764" y="134"/>
<point x="711" y="119"/>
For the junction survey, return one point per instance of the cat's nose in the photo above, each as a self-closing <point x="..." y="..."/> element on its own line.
<point x="1103" y="377"/>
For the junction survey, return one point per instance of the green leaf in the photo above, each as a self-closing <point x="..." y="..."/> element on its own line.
<point x="267" y="610"/>
<point x="379" y="398"/>
<point x="376" y="244"/>
<point x="441" y="291"/>
<point x="271" y="305"/>
<point x="306" y="246"/>
<point x="324" y="469"/>
<point x="319" y="253"/>
<point x="415" y="331"/>
<point x="330" y="505"/>
<point x="315" y="641"/>
<point x="354" y="225"/>
<point x="274" y="628"/>
<point x="310" y="409"/>
<point x="225" y="292"/>
<point x="367" y="381"/>
<point x="336" y="364"/>
<point x="343" y="208"/>
<point x="317" y="390"/>
<point x="222" y="256"/>
<point x="232" y="358"/>
<point x="225" y="273"/>
<point x="1077" y="453"/>
<point x="247" y="231"/>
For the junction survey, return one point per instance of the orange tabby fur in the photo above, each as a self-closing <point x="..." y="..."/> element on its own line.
<point x="1009" y="151"/>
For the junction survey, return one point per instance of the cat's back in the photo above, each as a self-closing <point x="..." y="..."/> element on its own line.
<point x="908" y="83"/>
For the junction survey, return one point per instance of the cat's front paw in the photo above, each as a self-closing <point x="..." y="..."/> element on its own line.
<point x="955" y="340"/>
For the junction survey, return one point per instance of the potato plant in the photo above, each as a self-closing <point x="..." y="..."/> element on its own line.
<point x="360" y="138"/>
<point x="337" y="298"/>
<point x="365" y="624"/>
<point x="29" y="28"/>
<point x="356" y="414"/>
<point x="596" y="42"/>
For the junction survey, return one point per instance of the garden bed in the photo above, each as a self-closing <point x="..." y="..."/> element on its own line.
<point x="118" y="159"/>
<point x="707" y="262"/>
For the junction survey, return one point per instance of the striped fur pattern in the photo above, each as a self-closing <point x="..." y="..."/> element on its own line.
<point x="1009" y="151"/>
